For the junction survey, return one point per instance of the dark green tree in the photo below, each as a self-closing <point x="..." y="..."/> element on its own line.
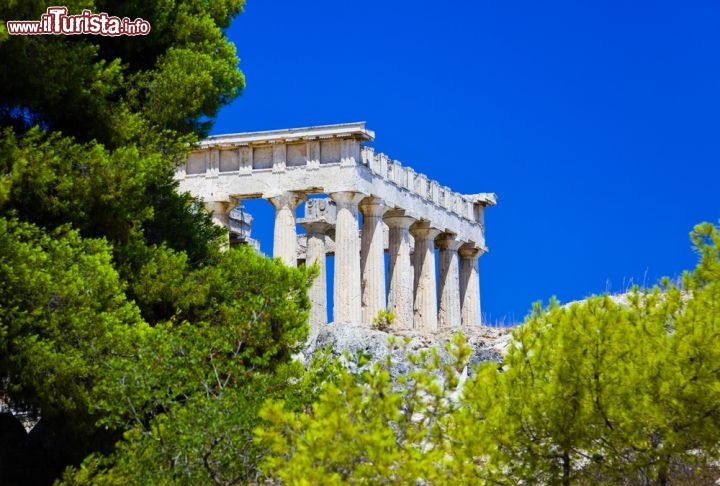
<point x="189" y="396"/>
<point x="63" y="313"/>
<point x="91" y="127"/>
<point x="112" y="115"/>
<point x="114" y="290"/>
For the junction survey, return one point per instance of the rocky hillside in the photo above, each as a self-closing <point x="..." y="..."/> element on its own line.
<point x="352" y="340"/>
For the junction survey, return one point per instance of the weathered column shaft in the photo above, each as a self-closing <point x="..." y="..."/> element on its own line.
<point x="316" y="256"/>
<point x="372" y="258"/>
<point x="425" y="307"/>
<point x="285" y="236"/>
<point x="400" y="271"/>
<point x="220" y="211"/>
<point x="449" y="283"/>
<point x="346" y="287"/>
<point x="470" y="286"/>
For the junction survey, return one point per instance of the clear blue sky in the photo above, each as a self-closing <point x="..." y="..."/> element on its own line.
<point x="597" y="123"/>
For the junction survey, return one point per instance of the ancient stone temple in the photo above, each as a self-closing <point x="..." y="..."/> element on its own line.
<point x="404" y="214"/>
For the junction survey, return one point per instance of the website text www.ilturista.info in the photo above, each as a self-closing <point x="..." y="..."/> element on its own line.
<point x="56" y="21"/>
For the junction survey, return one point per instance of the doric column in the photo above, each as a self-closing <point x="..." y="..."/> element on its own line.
<point x="316" y="255"/>
<point x="469" y="286"/>
<point x="449" y="282"/>
<point x="372" y="258"/>
<point x="400" y="295"/>
<point x="285" y="236"/>
<point x="346" y="287"/>
<point x="425" y="307"/>
<point x="220" y="211"/>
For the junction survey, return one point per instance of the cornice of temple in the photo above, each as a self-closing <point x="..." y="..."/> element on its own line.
<point x="355" y="130"/>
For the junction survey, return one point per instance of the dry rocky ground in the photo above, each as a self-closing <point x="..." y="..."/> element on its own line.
<point x="349" y="341"/>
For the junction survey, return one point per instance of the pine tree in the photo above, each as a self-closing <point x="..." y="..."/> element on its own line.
<point x="116" y="304"/>
<point x="603" y="391"/>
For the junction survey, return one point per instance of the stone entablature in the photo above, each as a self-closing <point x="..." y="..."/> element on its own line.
<point x="324" y="160"/>
<point x="277" y="151"/>
<point x="404" y="213"/>
<point x="393" y="171"/>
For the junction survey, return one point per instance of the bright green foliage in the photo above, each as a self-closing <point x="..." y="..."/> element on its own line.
<point x="63" y="314"/>
<point x="364" y="429"/>
<point x="125" y="195"/>
<point x="383" y="320"/>
<point x="118" y="89"/>
<point x="92" y="126"/>
<point x="244" y="314"/>
<point x="706" y="240"/>
<point x="90" y="130"/>
<point x="605" y="392"/>
<point x="55" y="181"/>
<point x="206" y="438"/>
<point x="115" y="302"/>
<point x="190" y="391"/>
<point x="599" y="392"/>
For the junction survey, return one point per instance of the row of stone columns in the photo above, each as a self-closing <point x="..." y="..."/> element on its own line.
<point x="359" y="283"/>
